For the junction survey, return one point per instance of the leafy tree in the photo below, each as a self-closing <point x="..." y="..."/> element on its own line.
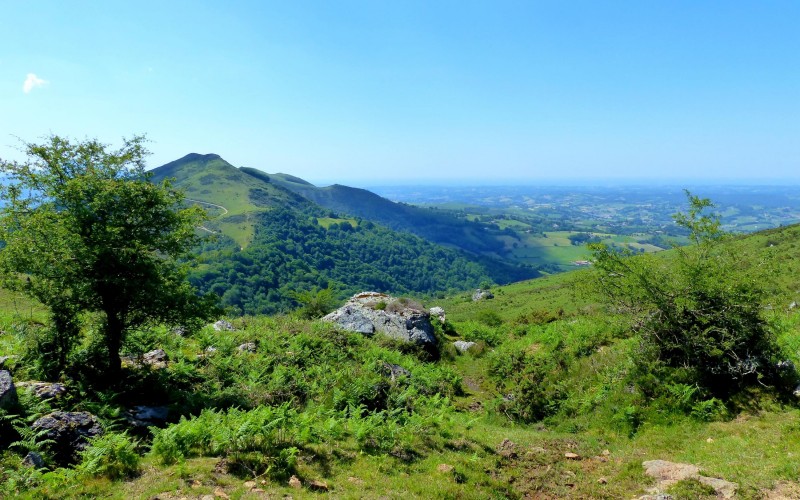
<point x="85" y="231"/>
<point x="698" y="311"/>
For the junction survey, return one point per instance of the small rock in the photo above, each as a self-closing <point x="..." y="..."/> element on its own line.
<point x="179" y="331"/>
<point x="156" y="358"/>
<point x="445" y="468"/>
<point x="224" y="326"/>
<point x="481" y="294"/>
<point x="249" y="484"/>
<point x="797" y="391"/>
<point x="211" y="349"/>
<point x="602" y="480"/>
<point x="355" y="480"/>
<point x="207" y="497"/>
<point x="220" y="493"/>
<point x="710" y="440"/>
<point x="793" y="305"/>
<point x="146" y="416"/>
<point x="438" y="313"/>
<point x="8" y="393"/>
<point x="463" y="345"/>
<point x="571" y="456"/>
<point x="295" y="482"/>
<point x="606" y="453"/>
<point x="316" y="485"/>
<point x="33" y="459"/>
<point x="247" y="347"/>
<point x="669" y="473"/>
<point x="44" y="390"/>
<point x="3" y="360"/>
<point x="394" y="371"/>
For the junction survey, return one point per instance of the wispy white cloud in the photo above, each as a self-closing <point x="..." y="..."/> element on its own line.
<point x="32" y="82"/>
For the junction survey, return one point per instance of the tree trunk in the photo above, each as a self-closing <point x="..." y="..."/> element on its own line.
<point x="114" y="329"/>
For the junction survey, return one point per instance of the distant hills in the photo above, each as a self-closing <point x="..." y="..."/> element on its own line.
<point x="278" y="235"/>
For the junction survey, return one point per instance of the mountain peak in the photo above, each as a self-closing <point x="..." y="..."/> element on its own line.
<point x="200" y="157"/>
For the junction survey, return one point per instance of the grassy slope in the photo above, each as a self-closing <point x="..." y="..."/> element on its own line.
<point x="757" y="449"/>
<point x="212" y="180"/>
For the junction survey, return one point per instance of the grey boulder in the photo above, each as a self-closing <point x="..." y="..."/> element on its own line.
<point x="371" y="312"/>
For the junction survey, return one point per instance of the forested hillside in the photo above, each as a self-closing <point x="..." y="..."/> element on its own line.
<point x="265" y="244"/>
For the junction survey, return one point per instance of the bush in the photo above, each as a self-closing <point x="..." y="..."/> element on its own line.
<point x="699" y="311"/>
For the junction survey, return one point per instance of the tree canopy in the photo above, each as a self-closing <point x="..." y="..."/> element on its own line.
<point x="86" y="232"/>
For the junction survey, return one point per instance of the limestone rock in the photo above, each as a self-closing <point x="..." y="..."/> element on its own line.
<point x="668" y="473"/>
<point x="224" y="326"/>
<point x="8" y="393"/>
<point x="370" y="312"/>
<point x="481" y="294"/>
<point x="463" y="345"/>
<point x="156" y="358"/>
<point x="70" y="432"/>
<point x="438" y="313"/>
<point x="44" y="390"/>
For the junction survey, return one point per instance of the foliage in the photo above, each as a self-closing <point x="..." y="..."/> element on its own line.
<point x="112" y="455"/>
<point x="85" y="231"/>
<point x="317" y="302"/>
<point x="699" y="312"/>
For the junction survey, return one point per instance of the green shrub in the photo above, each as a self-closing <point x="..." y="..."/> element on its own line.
<point x="699" y="311"/>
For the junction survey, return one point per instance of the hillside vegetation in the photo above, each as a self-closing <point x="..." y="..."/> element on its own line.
<point x="550" y="402"/>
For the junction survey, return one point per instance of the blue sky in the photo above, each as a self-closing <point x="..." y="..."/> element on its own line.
<point x="374" y="92"/>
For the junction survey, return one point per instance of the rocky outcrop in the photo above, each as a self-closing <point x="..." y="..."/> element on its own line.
<point x="481" y="294"/>
<point x="69" y="431"/>
<point x="370" y="313"/>
<point x="668" y="473"/>
<point x="8" y="393"/>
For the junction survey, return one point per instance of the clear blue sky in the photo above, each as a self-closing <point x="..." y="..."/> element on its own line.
<point x="417" y="91"/>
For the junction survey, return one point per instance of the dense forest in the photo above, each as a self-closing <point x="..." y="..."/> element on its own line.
<point x="292" y="252"/>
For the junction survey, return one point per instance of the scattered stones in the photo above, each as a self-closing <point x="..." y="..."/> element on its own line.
<point x="33" y="459"/>
<point x="247" y="347"/>
<point x="371" y="312"/>
<point x="295" y="482"/>
<point x="146" y="416"/>
<point x="8" y="393"/>
<point x="438" y="313"/>
<point x="44" y="390"/>
<point x="156" y="358"/>
<point x="394" y="371"/>
<point x="481" y="294"/>
<point x="668" y="473"/>
<point x="220" y="493"/>
<point x="463" y="345"/>
<point x="70" y="432"/>
<point x="224" y="326"/>
<point x="571" y="456"/>
<point x="316" y="485"/>
<point x="446" y="468"/>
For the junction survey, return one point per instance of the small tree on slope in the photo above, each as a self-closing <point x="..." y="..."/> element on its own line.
<point x="699" y="311"/>
<point x="85" y="231"/>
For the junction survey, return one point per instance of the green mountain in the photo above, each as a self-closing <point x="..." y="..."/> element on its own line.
<point x="439" y="226"/>
<point x="233" y="198"/>
<point x="273" y="243"/>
